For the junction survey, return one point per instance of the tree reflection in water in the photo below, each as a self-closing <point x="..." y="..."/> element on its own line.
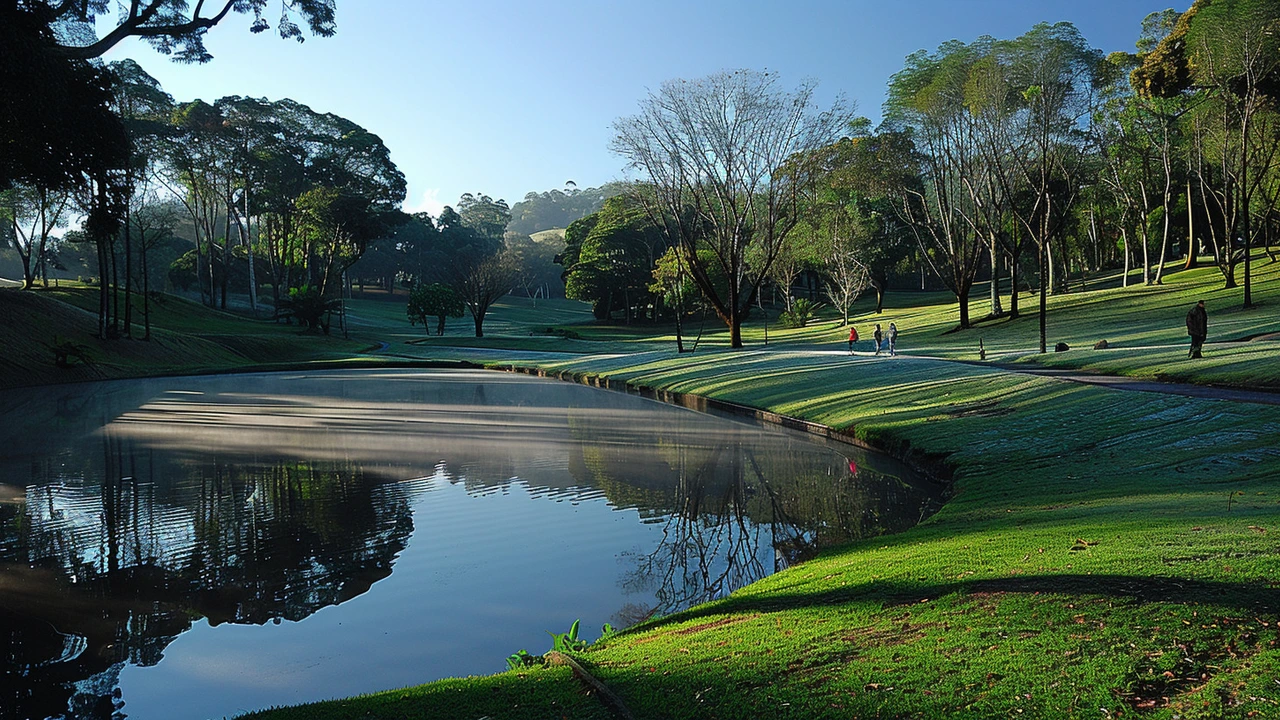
<point x="129" y="519"/>
<point x="735" y="509"/>
<point x="113" y="557"/>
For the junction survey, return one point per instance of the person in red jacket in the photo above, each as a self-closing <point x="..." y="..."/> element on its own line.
<point x="853" y="337"/>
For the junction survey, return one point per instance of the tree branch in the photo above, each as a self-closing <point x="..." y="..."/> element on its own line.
<point x="136" y="26"/>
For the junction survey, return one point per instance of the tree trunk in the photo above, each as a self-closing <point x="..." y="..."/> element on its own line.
<point x="1124" y="239"/>
<point x="146" y="292"/>
<point x="128" y="271"/>
<point x="1013" y="285"/>
<point x="1044" y="293"/>
<point x="996" y="310"/>
<point x="962" y="300"/>
<point x="1191" y="233"/>
<point x="735" y="326"/>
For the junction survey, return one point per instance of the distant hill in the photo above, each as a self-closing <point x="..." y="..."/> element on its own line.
<point x="555" y="235"/>
<point x="557" y="208"/>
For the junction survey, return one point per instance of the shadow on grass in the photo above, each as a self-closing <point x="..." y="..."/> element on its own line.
<point x="1254" y="597"/>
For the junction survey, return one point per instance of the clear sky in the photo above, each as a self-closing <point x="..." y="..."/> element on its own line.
<point x="507" y="97"/>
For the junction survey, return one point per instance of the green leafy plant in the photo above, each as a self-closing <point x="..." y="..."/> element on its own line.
<point x="522" y="660"/>
<point x="560" y="642"/>
<point x="568" y="642"/>
<point x="801" y="313"/>
<point x="309" y="307"/>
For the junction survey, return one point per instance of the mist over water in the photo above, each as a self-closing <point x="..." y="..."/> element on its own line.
<point x="199" y="547"/>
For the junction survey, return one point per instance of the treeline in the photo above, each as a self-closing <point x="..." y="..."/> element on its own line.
<point x="105" y="145"/>
<point x="1024" y="162"/>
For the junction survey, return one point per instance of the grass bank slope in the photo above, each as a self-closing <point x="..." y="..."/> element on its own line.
<point x="185" y="337"/>
<point x="1105" y="554"/>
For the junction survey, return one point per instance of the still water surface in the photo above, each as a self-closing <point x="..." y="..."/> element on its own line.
<point x="199" y="547"/>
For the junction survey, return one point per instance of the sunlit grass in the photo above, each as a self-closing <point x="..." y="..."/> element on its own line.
<point x="1103" y="553"/>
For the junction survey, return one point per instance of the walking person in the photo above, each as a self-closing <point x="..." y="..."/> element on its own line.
<point x="893" y="338"/>
<point x="878" y="336"/>
<point x="1197" y="328"/>
<point x="853" y="337"/>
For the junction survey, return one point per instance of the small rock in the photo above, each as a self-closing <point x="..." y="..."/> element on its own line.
<point x="1101" y="345"/>
<point x="1061" y="347"/>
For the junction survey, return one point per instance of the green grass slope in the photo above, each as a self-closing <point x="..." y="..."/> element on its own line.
<point x="1105" y="554"/>
<point x="186" y="337"/>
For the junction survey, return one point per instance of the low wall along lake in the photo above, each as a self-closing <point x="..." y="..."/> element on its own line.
<point x="202" y="546"/>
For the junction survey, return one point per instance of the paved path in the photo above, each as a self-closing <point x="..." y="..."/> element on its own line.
<point x="1117" y="382"/>
<point x="1113" y="382"/>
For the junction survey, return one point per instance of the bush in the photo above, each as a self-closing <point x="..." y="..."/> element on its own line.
<point x="802" y="311"/>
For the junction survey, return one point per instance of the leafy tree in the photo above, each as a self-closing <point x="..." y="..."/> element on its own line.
<point x="932" y="161"/>
<point x="855" y="208"/>
<point x="33" y="214"/>
<point x="434" y="301"/>
<point x="488" y="217"/>
<point x="726" y="180"/>
<point x="675" y="287"/>
<point x="615" y="261"/>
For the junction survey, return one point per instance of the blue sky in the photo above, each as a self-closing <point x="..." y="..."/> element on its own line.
<point x="510" y="97"/>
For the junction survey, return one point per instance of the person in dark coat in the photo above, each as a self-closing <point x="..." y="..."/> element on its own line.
<point x="1197" y="328"/>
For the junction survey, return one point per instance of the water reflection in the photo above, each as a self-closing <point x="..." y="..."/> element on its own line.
<point x="130" y="512"/>
<point x="114" y="555"/>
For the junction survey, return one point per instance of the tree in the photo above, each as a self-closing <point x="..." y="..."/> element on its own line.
<point x="930" y="163"/>
<point x="615" y="261"/>
<point x="145" y="108"/>
<point x="672" y="283"/>
<point x="1233" y="48"/>
<point x="481" y="280"/>
<point x="843" y="233"/>
<point x="1055" y="72"/>
<point x="727" y="161"/>
<point x="858" y="189"/>
<point x="33" y="214"/>
<point x="55" y="116"/>
<point x="433" y="301"/>
<point x="1228" y="52"/>
<point x="483" y="214"/>
<point x="172" y="27"/>
<point x="555" y="209"/>
<point x="537" y="272"/>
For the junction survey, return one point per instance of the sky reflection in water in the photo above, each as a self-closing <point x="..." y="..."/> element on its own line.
<point x="197" y="547"/>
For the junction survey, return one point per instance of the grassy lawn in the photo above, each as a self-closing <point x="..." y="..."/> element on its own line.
<point x="1104" y="553"/>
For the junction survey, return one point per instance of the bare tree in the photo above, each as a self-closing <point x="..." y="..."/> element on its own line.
<point x="483" y="281"/>
<point x="847" y="277"/>
<point x="727" y="161"/>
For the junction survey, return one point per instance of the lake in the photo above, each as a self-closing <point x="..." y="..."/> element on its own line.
<point x="203" y="546"/>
